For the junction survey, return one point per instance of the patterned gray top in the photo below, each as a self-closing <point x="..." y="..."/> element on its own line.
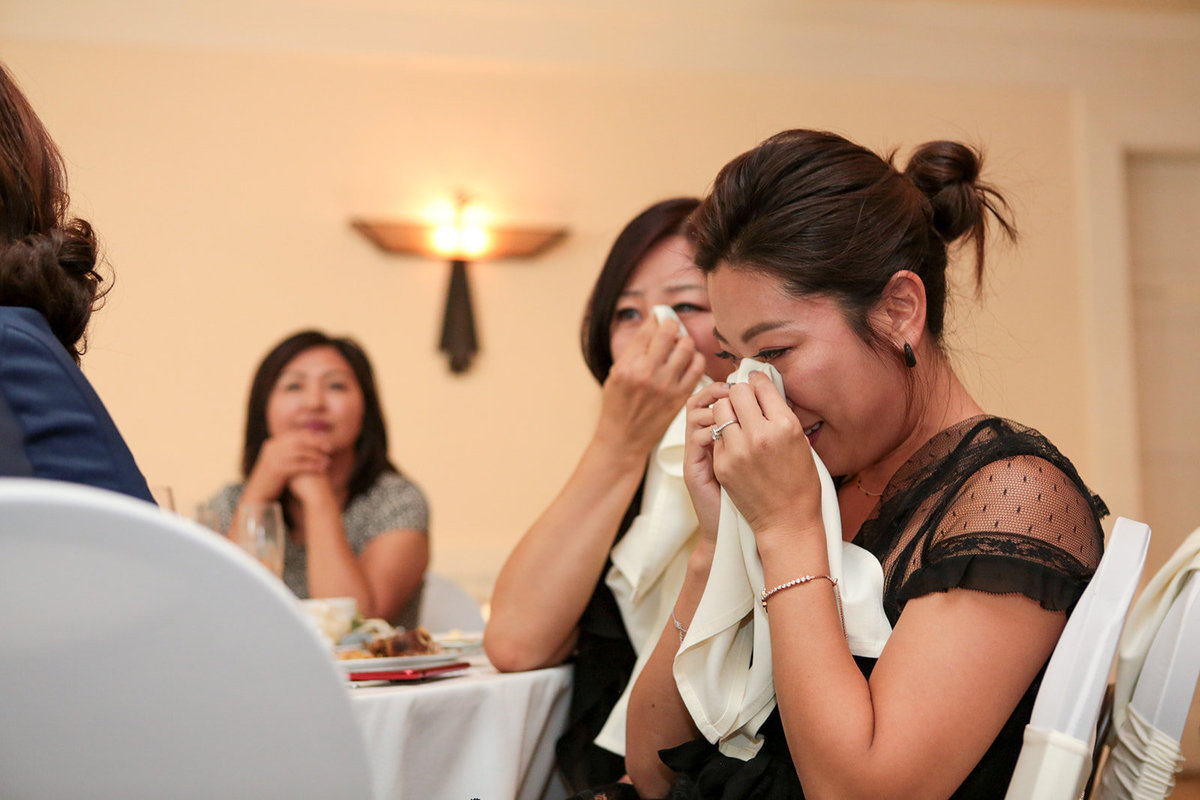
<point x="392" y="503"/>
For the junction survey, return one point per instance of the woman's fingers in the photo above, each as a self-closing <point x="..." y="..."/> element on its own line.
<point x="681" y="359"/>
<point x="758" y="403"/>
<point x="658" y="358"/>
<point x="695" y="370"/>
<point x="663" y="339"/>
<point x="671" y="353"/>
<point x="709" y="395"/>
<point x="296" y="452"/>
<point x="700" y="416"/>
<point x="744" y="404"/>
<point x="644" y="333"/>
<point x="724" y="411"/>
<point x="770" y="400"/>
<point x="698" y="465"/>
<point x="313" y="460"/>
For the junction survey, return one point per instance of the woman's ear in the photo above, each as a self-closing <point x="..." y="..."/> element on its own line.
<point x="900" y="312"/>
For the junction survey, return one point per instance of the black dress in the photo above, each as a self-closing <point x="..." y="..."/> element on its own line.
<point x="604" y="660"/>
<point x="987" y="505"/>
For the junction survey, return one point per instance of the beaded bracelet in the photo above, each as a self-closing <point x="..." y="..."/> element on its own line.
<point x="767" y="593"/>
<point x="678" y="626"/>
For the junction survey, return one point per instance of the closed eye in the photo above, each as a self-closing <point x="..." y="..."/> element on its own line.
<point x="767" y="356"/>
<point x="726" y="355"/>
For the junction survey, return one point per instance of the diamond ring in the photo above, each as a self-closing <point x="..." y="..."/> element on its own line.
<point x="716" y="432"/>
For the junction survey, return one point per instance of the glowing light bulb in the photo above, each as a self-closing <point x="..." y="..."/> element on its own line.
<point x="473" y="241"/>
<point x="446" y="239"/>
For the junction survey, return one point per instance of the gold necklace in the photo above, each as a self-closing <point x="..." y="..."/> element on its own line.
<point x="865" y="490"/>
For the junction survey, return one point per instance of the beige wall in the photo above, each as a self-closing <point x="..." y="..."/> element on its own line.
<point x="221" y="161"/>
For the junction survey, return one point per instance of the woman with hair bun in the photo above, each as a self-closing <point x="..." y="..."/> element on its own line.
<point x="52" y="424"/>
<point x="830" y="264"/>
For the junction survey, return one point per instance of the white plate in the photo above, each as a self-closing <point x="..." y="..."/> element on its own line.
<point x="459" y="643"/>
<point x="396" y="662"/>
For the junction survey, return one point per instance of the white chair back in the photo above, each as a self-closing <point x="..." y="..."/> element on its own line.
<point x="1055" y="759"/>
<point x="141" y="655"/>
<point x="1146" y="752"/>
<point x="1168" y="680"/>
<point x="446" y="606"/>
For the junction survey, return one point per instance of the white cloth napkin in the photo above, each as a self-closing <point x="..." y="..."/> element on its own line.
<point x="723" y="668"/>
<point x="649" y="562"/>
<point x="1147" y="617"/>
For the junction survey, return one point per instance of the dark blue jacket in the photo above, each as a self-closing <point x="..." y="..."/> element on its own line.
<point x="52" y="423"/>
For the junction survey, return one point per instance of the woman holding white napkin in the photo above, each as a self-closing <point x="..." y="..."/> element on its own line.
<point x="551" y="600"/>
<point x="829" y="264"/>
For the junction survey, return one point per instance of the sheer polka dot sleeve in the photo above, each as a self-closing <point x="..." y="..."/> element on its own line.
<point x="1019" y="525"/>
<point x="989" y="506"/>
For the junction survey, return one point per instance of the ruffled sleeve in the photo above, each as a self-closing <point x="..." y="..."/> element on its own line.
<point x="1019" y="525"/>
<point x="987" y="505"/>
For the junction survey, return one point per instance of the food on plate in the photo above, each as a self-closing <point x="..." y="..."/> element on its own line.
<point x="367" y="630"/>
<point x="417" y="642"/>
<point x="352" y="654"/>
<point x="391" y="643"/>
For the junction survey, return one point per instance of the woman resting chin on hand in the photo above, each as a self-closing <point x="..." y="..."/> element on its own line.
<point x="316" y="442"/>
<point x="825" y="261"/>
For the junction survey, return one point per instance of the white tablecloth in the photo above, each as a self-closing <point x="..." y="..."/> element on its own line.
<point x="480" y="736"/>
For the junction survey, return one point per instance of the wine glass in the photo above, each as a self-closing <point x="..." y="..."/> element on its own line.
<point x="209" y="517"/>
<point x="258" y="529"/>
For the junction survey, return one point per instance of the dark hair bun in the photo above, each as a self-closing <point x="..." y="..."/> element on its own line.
<point x="55" y="274"/>
<point x="947" y="173"/>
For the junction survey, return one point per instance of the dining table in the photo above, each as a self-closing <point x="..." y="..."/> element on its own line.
<point x="477" y="734"/>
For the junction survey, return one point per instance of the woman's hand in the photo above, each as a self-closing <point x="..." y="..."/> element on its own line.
<point x="282" y="458"/>
<point x="764" y="461"/>
<point x="698" y="473"/>
<point x="648" y="385"/>
<point x="546" y="583"/>
<point x="312" y="488"/>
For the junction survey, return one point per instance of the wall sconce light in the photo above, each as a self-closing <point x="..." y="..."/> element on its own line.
<point x="466" y="237"/>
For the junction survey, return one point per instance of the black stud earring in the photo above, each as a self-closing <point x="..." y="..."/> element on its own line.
<point x="910" y="358"/>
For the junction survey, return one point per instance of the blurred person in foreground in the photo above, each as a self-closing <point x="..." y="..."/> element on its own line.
<point x="52" y="423"/>
<point x="316" y="442"/>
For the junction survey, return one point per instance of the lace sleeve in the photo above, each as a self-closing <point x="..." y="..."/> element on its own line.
<point x="392" y="503"/>
<point x="1015" y="525"/>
